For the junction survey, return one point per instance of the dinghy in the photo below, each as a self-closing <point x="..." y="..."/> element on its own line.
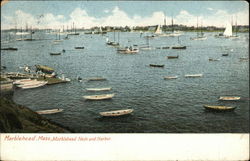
<point x="116" y="113"/>
<point x="170" y="77"/>
<point x="96" y="79"/>
<point x="99" y="97"/>
<point x="98" y="89"/>
<point x="173" y="57"/>
<point x="230" y="98"/>
<point x="156" y="65"/>
<point x="219" y="108"/>
<point x="52" y="111"/>
<point x="193" y="75"/>
<point x="29" y="86"/>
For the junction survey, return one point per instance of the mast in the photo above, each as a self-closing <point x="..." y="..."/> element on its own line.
<point x="197" y="27"/>
<point x="172" y="24"/>
<point x="236" y="25"/>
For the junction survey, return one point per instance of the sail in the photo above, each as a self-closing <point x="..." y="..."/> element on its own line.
<point x="228" y="31"/>
<point x="158" y="30"/>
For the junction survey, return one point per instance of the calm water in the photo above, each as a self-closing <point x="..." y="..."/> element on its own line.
<point x="160" y="106"/>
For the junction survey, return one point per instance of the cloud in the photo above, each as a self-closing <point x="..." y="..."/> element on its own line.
<point x="118" y="17"/>
<point x="210" y="9"/>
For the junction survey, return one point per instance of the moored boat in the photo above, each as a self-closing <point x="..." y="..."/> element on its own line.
<point x="219" y="108"/>
<point x="225" y="54"/>
<point x="52" y="111"/>
<point x="170" y="77"/>
<point x="193" y="75"/>
<point x="117" y="112"/>
<point x="99" y="89"/>
<point x="79" y="47"/>
<point x="178" y="47"/>
<point x="173" y="57"/>
<point x="156" y="65"/>
<point x="229" y="98"/>
<point x="33" y="85"/>
<point x="99" y="97"/>
<point x="211" y="59"/>
<point x="55" y="53"/>
<point x="97" y="79"/>
<point x="9" y="48"/>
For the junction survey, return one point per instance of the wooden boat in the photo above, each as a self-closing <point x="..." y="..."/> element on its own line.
<point x="79" y="47"/>
<point x="128" y="50"/>
<point x="225" y="54"/>
<point x="178" y="47"/>
<point x="171" y="77"/>
<point x="117" y="112"/>
<point x="219" y="108"/>
<point x="193" y="75"/>
<point x="99" y="97"/>
<point x="31" y="82"/>
<point x="156" y="65"/>
<point x="10" y="48"/>
<point x="173" y="57"/>
<point x="97" y="79"/>
<point x="229" y="98"/>
<point x="52" y="111"/>
<point x="211" y="59"/>
<point x="21" y="81"/>
<point x="33" y="85"/>
<point x="55" y="53"/>
<point x="99" y="89"/>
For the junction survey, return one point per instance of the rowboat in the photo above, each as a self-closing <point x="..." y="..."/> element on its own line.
<point x="33" y="85"/>
<point x="173" y="57"/>
<point x="96" y="79"/>
<point x="193" y="75"/>
<point x="225" y="54"/>
<point x="219" y="108"/>
<point x="211" y="59"/>
<point x="28" y="83"/>
<point x="10" y="48"/>
<point x="80" y="47"/>
<point x="98" y="89"/>
<point x="179" y="47"/>
<point x="156" y="65"/>
<point x="171" y="77"/>
<point x="99" y="97"/>
<point x="55" y="53"/>
<point x="117" y="112"/>
<point x="230" y="98"/>
<point x="52" y="111"/>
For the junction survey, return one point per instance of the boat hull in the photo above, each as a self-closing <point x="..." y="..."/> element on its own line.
<point x="219" y="108"/>
<point x="116" y="113"/>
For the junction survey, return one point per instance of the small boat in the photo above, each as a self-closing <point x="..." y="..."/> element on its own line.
<point x="21" y="81"/>
<point x="170" y="77"/>
<point x="10" y="48"/>
<point x="178" y="47"/>
<point x="156" y="65"/>
<point x="166" y="47"/>
<point x="117" y="112"/>
<point x="55" y="53"/>
<point x="99" y="97"/>
<point x="97" y="79"/>
<point x="79" y="47"/>
<point x="244" y="59"/>
<point x="52" y="111"/>
<point x="225" y="54"/>
<point x="211" y="59"/>
<point x="99" y="89"/>
<point x="128" y="50"/>
<point x="173" y="57"/>
<point x="193" y="75"/>
<point x="31" y="82"/>
<point x="33" y="85"/>
<point x="219" y="108"/>
<point x="229" y="98"/>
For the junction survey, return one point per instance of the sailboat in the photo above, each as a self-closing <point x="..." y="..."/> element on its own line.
<point x="147" y="47"/>
<point x="73" y="32"/>
<point x="174" y="33"/>
<point x="58" y="40"/>
<point x="228" y="32"/>
<point x="179" y="46"/>
<point x="200" y="36"/>
<point x="113" y="43"/>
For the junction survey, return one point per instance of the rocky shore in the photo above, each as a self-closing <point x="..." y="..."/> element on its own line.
<point x="16" y="118"/>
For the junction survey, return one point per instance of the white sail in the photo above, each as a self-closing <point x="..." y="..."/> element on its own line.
<point x="158" y="30"/>
<point x="228" y="31"/>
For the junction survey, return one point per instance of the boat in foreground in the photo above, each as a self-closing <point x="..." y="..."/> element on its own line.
<point x="193" y="75"/>
<point x="230" y="98"/>
<point x="99" y="89"/>
<point x="52" y="111"/>
<point x="117" y="112"/>
<point x="219" y="108"/>
<point x="99" y="97"/>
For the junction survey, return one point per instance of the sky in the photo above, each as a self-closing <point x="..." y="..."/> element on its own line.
<point x="59" y="14"/>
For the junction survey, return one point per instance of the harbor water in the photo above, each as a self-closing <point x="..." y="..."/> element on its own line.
<point x="160" y="106"/>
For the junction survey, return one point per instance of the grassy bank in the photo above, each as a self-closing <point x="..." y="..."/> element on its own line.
<point x="16" y="118"/>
